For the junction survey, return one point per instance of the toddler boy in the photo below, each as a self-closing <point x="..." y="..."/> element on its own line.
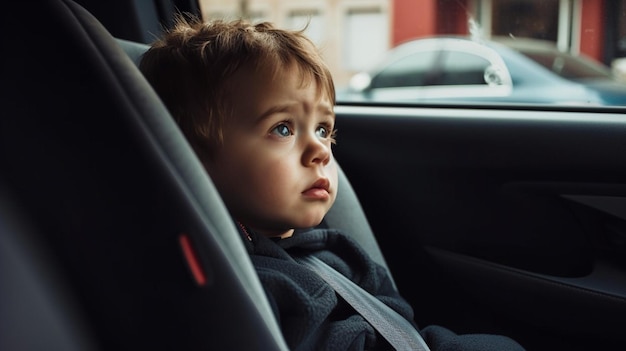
<point x="256" y="104"/>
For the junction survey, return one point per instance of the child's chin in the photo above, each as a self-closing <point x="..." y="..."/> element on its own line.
<point x="312" y="222"/>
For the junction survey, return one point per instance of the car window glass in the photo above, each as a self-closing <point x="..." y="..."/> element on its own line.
<point x="580" y="43"/>
<point x="461" y="68"/>
<point x="568" y="67"/>
<point x="413" y="70"/>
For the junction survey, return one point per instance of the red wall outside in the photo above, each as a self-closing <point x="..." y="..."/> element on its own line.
<point x="592" y="28"/>
<point x="413" y="18"/>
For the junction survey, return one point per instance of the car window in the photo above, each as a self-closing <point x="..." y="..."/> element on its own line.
<point x="578" y="54"/>
<point x="460" y="68"/>
<point x="414" y="70"/>
<point x="569" y="67"/>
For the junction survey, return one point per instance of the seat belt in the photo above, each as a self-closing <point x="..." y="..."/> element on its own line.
<point x="389" y="323"/>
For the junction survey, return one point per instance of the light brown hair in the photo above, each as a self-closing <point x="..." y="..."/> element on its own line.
<point x="190" y="64"/>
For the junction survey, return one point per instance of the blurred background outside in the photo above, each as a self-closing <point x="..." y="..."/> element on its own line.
<point x="355" y="34"/>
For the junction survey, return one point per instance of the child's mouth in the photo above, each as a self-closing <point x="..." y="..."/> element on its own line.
<point x="319" y="190"/>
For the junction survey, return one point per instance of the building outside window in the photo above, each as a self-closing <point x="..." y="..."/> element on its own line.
<point x="311" y="19"/>
<point x="354" y="34"/>
<point x="364" y="41"/>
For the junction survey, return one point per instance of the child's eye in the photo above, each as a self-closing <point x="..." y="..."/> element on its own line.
<point x="326" y="133"/>
<point x="322" y="132"/>
<point x="282" y="130"/>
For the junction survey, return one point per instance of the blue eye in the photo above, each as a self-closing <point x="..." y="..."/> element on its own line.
<point x="322" y="132"/>
<point x="281" y="130"/>
<point x="327" y="133"/>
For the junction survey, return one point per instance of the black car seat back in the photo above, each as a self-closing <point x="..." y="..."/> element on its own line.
<point x="108" y="186"/>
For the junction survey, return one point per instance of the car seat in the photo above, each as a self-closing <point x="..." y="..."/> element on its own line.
<point x="101" y="194"/>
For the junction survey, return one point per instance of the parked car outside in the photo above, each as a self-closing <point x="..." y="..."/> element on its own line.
<point x="508" y="70"/>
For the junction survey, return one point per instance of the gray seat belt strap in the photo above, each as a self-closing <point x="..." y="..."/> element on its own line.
<point x="389" y="323"/>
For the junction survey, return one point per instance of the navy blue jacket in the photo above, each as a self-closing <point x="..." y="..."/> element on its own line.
<point x="310" y="314"/>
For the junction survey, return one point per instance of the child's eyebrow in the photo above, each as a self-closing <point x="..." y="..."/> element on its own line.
<point x="325" y="109"/>
<point x="274" y="109"/>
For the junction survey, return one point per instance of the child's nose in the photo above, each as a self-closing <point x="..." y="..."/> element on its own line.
<point x="316" y="152"/>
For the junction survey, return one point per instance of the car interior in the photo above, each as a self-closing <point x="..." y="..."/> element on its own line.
<point x="504" y="219"/>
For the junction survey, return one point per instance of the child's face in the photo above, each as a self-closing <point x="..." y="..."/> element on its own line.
<point x="275" y="170"/>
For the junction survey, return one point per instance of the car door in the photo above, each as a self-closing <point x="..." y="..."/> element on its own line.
<point x="498" y="219"/>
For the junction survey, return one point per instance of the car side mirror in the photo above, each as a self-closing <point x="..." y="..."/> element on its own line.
<point x="493" y="75"/>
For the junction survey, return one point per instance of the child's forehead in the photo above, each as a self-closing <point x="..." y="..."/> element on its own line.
<point x="253" y="91"/>
<point x="276" y="69"/>
<point x="277" y="72"/>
